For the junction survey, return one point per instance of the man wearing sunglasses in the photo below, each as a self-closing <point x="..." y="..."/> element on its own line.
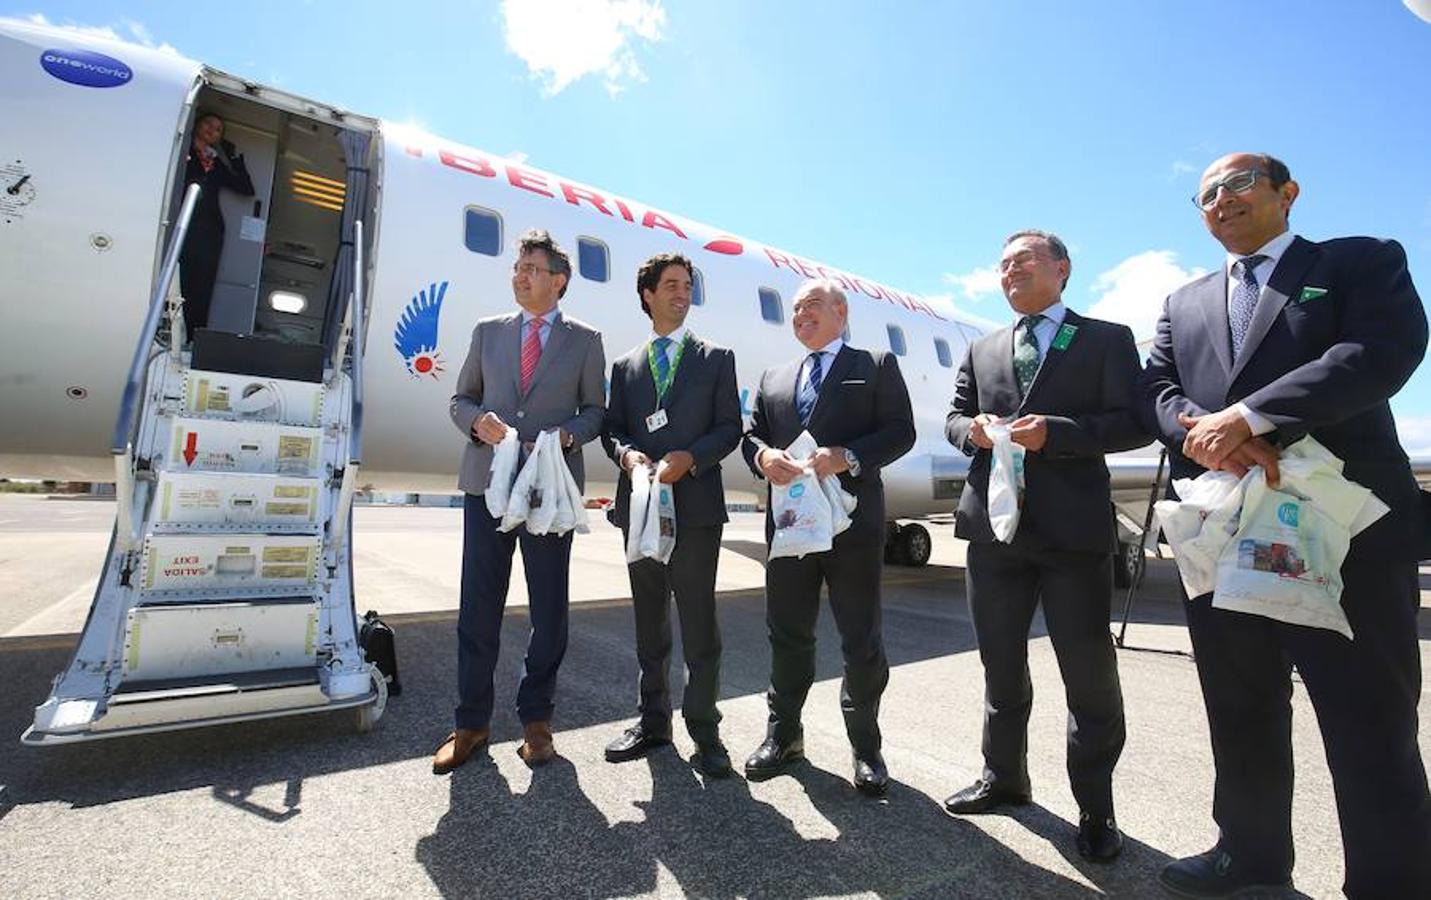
<point x="1067" y="385"/>
<point x="533" y="370"/>
<point x="1291" y="337"/>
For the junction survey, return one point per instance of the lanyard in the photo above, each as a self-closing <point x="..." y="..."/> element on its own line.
<point x="664" y="385"/>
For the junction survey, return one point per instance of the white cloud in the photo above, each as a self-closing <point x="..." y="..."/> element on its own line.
<point x="978" y="285"/>
<point x="128" y="30"/>
<point x="1415" y="434"/>
<point x="1132" y="292"/>
<point x="1182" y="167"/>
<point x="562" y="41"/>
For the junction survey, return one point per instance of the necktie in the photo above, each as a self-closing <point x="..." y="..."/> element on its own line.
<point x="1244" y="299"/>
<point x="531" y="351"/>
<point x="805" y="402"/>
<point x="1026" y="352"/>
<point x="663" y="366"/>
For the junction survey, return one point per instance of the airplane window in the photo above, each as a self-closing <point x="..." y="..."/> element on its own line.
<point x="896" y="340"/>
<point x="770" y="309"/>
<point x="941" y="348"/>
<point x="698" y="287"/>
<point x="483" y="232"/>
<point x="593" y="259"/>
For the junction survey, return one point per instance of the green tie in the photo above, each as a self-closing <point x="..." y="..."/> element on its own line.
<point x="663" y="367"/>
<point x="1026" y="353"/>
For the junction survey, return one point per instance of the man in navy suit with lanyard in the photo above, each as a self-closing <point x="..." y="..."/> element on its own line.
<point x="674" y="402"/>
<point x="1287" y="338"/>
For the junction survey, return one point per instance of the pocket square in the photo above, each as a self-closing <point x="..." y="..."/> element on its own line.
<point x="853" y="381"/>
<point x="1311" y="293"/>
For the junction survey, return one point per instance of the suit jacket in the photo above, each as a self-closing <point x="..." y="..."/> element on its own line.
<point x="1338" y="330"/>
<point x="1088" y="393"/>
<point x="206" y="228"/>
<point x="863" y="405"/>
<point x="703" y="417"/>
<point x="566" y="391"/>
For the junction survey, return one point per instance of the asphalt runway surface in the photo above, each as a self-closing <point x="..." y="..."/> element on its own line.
<point x="309" y="806"/>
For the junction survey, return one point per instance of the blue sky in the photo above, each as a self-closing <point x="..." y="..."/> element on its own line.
<point x="899" y="140"/>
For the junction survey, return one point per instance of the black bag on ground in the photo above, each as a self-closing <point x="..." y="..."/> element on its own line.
<point x="376" y="639"/>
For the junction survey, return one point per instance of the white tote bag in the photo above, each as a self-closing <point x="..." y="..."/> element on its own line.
<point x="542" y="506"/>
<point x="637" y="510"/>
<point x="504" y="472"/>
<point x="573" y="504"/>
<point x="1006" y="477"/>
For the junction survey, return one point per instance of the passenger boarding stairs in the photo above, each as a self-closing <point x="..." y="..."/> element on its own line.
<point x="227" y="592"/>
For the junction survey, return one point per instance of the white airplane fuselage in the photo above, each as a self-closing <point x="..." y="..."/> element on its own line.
<point x="95" y="137"/>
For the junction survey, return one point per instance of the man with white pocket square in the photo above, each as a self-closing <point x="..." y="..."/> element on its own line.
<point x="855" y="405"/>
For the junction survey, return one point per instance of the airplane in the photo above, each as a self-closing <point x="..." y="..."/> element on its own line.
<point x="348" y="288"/>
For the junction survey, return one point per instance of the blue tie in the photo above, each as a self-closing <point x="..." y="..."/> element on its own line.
<point x="805" y="403"/>
<point x="1244" y="299"/>
<point x="663" y="366"/>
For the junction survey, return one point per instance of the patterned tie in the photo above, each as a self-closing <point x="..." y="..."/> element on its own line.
<point x="663" y="367"/>
<point x="1244" y="299"/>
<point x="531" y="351"/>
<point x="1026" y="353"/>
<point x="805" y="402"/>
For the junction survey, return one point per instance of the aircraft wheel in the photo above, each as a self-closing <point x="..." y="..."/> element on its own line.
<point x="1128" y="565"/>
<point x="365" y="717"/>
<point x="914" y="544"/>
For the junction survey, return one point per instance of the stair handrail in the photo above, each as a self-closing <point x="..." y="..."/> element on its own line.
<point x="124" y="425"/>
<point x="356" y="317"/>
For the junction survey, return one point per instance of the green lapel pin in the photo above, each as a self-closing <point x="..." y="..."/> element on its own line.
<point x="1311" y="293"/>
<point x="1064" y="336"/>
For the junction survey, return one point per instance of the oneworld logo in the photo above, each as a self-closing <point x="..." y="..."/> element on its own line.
<point x="86" y="68"/>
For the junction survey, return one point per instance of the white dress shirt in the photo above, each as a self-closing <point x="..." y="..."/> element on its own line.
<point x="676" y="337"/>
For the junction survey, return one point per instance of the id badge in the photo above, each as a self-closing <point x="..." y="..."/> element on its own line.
<point x="656" y="421"/>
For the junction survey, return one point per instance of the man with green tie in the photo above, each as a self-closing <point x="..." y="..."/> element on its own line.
<point x="674" y="405"/>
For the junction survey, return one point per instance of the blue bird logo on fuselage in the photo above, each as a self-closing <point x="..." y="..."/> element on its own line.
<point x="415" y="336"/>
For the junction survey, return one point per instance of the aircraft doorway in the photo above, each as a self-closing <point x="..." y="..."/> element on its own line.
<point x="283" y="271"/>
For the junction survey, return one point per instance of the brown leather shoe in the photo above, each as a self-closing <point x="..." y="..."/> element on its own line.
<point x="536" y="746"/>
<point x="459" y="746"/>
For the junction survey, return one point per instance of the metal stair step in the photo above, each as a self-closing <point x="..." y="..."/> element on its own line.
<point x="252" y="398"/>
<point x="140" y="690"/>
<point x="227" y="501"/>
<point x="216" y="445"/>
<point x="249" y="560"/>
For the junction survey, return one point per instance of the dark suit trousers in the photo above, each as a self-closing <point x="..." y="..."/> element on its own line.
<point x="486" y="573"/>
<point x="691" y="577"/>
<point x="1365" y="692"/>
<point x="1005" y="583"/>
<point x="792" y="606"/>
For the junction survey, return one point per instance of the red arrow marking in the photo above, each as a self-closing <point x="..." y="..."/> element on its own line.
<point x="191" y="447"/>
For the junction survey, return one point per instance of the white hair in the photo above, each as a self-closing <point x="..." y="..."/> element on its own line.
<point x="828" y="285"/>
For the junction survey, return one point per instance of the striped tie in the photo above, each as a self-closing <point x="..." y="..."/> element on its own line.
<point x="531" y="351"/>
<point x="663" y="367"/>
<point x="805" y="402"/>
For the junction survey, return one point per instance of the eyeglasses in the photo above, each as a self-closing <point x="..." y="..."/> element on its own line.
<point x="530" y="269"/>
<point x="1020" y="259"/>
<point x="1237" y="183"/>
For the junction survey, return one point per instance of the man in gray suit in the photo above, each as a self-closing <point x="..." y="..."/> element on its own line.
<point x="535" y="370"/>
<point x="674" y="402"/>
<point x="1069" y="385"/>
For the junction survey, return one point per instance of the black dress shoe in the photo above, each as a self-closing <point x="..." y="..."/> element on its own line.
<point x="982" y="796"/>
<point x="1216" y="874"/>
<point x="1099" y="839"/>
<point x="773" y="758"/>
<point x="712" y="760"/>
<point x="871" y="775"/>
<point x="634" y="743"/>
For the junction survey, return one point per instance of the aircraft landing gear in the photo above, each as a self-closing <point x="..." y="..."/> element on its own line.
<point x="907" y="545"/>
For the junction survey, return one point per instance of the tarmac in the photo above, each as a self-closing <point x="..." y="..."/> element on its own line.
<point x="310" y="806"/>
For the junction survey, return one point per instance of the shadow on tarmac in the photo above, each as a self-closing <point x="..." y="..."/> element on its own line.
<point x="714" y="839"/>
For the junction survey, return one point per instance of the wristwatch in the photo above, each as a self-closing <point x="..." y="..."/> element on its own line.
<point x="853" y="462"/>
